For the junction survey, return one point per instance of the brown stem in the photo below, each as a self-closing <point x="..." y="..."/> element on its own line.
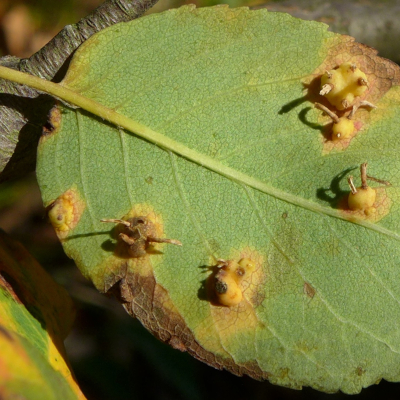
<point x="160" y="240"/>
<point x="23" y="111"/>
<point x="351" y="184"/>
<point x="117" y="221"/>
<point x="386" y="183"/>
<point x="327" y="111"/>
<point x="363" y="169"/>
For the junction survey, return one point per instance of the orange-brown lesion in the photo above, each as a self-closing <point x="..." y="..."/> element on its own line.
<point x="139" y="240"/>
<point x="65" y="212"/>
<point x="308" y="290"/>
<point x="245" y="269"/>
<point x="139" y="233"/>
<point x="380" y="76"/>
<point x="53" y="123"/>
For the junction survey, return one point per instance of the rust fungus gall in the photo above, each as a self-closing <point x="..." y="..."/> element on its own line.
<point x="364" y="198"/>
<point x="227" y="288"/>
<point x="61" y="214"/>
<point x="228" y="280"/>
<point x="138" y="234"/>
<point x="64" y="213"/>
<point x="343" y="127"/>
<point x="343" y="85"/>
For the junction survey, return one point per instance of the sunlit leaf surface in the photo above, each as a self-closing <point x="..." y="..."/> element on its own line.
<point x="321" y="307"/>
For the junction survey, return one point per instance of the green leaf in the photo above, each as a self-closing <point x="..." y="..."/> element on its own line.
<point x="227" y="155"/>
<point x="35" y="317"/>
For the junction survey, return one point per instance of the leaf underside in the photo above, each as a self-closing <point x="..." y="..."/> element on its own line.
<point x="322" y="308"/>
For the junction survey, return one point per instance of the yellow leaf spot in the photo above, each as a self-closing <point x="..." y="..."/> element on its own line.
<point x="65" y="212"/>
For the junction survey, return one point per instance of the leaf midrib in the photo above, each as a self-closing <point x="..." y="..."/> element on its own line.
<point x="74" y="100"/>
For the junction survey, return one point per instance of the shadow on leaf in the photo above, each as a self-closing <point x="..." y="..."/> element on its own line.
<point x="206" y="291"/>
<point x="334" y="194"/>
<point x="312" y="96"/>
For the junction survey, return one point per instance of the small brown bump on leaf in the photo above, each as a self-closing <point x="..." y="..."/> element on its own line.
<point x="53" y="124"/>
<point x="308" y="290"/>
<point x="221" y="286"/>
<point x="360" y="371"/>
<point x="138" y="232"/>
<point x="65" y="212"/>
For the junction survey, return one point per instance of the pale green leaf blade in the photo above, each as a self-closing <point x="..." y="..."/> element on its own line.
<point x="236" y="88"/>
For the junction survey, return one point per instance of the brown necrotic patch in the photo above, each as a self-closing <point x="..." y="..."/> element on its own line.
<point x="308" y="290"/>
<point x="145" y="299"/>
<point x="65" y="212"/>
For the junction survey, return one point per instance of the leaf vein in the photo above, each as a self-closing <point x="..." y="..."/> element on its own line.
<point x="185" y="201"/>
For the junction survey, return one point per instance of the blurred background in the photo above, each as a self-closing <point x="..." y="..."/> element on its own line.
<point x="112" y="355"/>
